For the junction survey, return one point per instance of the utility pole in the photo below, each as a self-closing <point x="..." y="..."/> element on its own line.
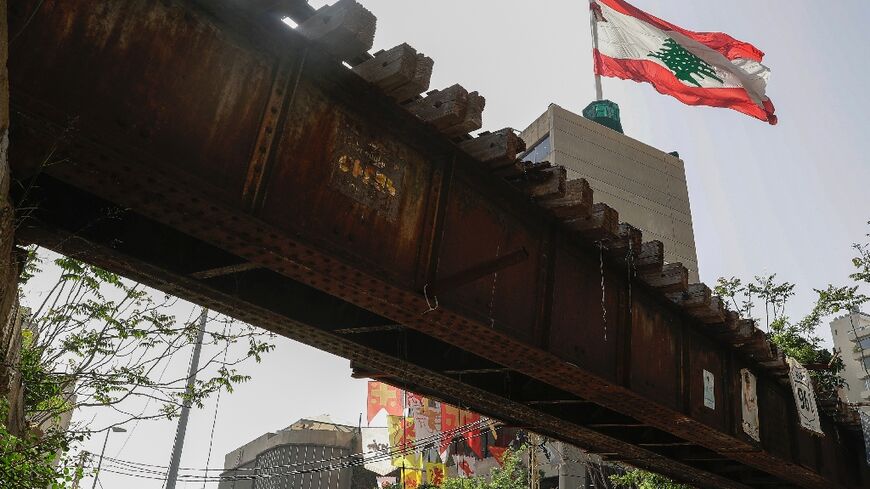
<point x="534" y="470"/>
<point x="116" y="429"/>
<point x="172" y="476"/>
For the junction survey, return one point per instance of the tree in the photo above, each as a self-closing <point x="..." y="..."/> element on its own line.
<point x="96" y="340"/>
<point x="796" y="339"/>
<point x="642" y="479"/>
<point x="685" y="65"/>
<point x="511" y="475"/>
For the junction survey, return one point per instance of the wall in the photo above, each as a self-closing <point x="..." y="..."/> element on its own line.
<point x="10" y="332"/>
<point x="844" y="341"/>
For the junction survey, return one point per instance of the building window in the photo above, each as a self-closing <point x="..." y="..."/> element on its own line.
<point x="864" y="343"/>
<point x="867" y="384"/>
<point x="539" y="152"/>
<point x="867" y="363"/>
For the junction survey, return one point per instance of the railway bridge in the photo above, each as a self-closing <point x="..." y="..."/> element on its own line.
<point x="290" y="179"/>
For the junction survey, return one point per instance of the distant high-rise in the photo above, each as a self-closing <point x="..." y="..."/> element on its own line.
<point x="851" y="335"/>
<point x="645" y="185"/>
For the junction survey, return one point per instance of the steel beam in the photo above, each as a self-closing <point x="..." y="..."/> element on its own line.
<point x="237" y="133"/>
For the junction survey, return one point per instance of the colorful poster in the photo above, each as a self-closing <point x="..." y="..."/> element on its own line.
<point x="411" y="479"/>
<point x="385" y="482"/>
<point x="804" y="397"/>
<point x="709" y="390"/>
<point x="376" y="450"/>
<point x="401" y="436"/>
<point x="472" y="437"/>
<point x="465" y="466"/>
<point x="383" y="396"/>
<point x="435" y="473"/>
<point x="427" y="422"/>
<point x="865" y="427"/>
<point x="449" y="425"/>
<point x="749" y="401"/>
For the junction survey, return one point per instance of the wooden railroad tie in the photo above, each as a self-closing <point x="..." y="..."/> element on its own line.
<point x="549" y="183"/>
<point x="601" y="224"/>
<point x="673" y="277"/>
<point x="346" y="29"/>
<point x="401" y="72"/>
<point x="452" y="111"/>
<point x="495" y="149"/>
<point x="575" y="204"/>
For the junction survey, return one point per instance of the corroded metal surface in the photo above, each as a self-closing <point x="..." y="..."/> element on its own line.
<point x="352" y="198"/>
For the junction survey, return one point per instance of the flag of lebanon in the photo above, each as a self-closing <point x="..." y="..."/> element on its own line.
<point x="697" y="68"/>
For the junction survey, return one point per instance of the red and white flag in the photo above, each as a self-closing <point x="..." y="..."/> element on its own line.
<point x="697" y="68"/>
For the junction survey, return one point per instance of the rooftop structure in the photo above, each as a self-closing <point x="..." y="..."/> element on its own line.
<point x="645" y="185"/>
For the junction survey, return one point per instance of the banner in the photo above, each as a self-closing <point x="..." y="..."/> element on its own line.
<point x="427" y="420"/>
<point x="435" y="473"/>
<point x="376" y="450"/>
<point x="498" y="454"/>
<point x="411" y="479"/>
<point x="804" y="397"/>
<point x="865" y="427"/>
<point x="401" y="436"/>
<point x="449" y="423"/>
<point x="385" y="482"/>
<point x="465" y="466"/>
<point x="709" y="390"/>
<point x="749" y="401"/>
<point x="383" y="396"/>
<point x="472" y="437"/>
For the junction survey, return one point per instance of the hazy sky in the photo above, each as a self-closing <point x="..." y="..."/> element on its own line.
<point x="788" y="199"/>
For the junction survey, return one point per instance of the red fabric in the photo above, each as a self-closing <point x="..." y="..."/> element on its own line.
<point x="729" y="47"/>
<point x="449" y="422"/>
<point x="473" y="438"/>
<point x="498" y="454"/>
<point x="383" y="396"/>
<point x="666" y="83"/>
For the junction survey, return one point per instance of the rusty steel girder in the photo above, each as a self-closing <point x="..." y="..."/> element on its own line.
<point x="146" y="132"/>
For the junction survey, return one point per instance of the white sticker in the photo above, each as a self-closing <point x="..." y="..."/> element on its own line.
<point x="709" y="392"/>
<point x="804" y="397"/>
<point x="749" y="400"/>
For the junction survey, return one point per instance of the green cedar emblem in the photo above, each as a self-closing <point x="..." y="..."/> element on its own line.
<point x="684" y="64"/>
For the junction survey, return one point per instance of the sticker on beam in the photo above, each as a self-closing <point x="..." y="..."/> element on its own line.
<point x="749" y="402"/>
<point x="709" y="390"/>
<point x="370" y="172"/>
<point x="804" y="397"/>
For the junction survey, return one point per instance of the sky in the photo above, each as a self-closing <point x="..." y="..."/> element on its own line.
<point x="787" y="199"/>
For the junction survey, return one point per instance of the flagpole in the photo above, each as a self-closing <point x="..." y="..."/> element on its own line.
<point x="593" y="21"/>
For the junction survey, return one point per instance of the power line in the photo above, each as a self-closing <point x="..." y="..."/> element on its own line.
<point x="139" y="470"/>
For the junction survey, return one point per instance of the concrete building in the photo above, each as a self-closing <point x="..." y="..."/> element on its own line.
<point x="299" y="456"/>
<point x="851" y="335"/>
<point x="565" y="466"/>
<point x="645" y="185"/>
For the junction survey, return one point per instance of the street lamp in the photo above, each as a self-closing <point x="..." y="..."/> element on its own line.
<point x="116" y="429"/>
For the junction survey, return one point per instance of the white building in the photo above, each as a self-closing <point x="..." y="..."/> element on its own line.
<point x="645" y="185"/>
<point x="852" y="340"/>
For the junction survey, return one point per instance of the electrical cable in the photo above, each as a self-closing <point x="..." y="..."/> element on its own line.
<point x="148" y="401"/>
<point x="217" y="405"/>
<point x="378" y="455"/>
<point x="134" y="469"/>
